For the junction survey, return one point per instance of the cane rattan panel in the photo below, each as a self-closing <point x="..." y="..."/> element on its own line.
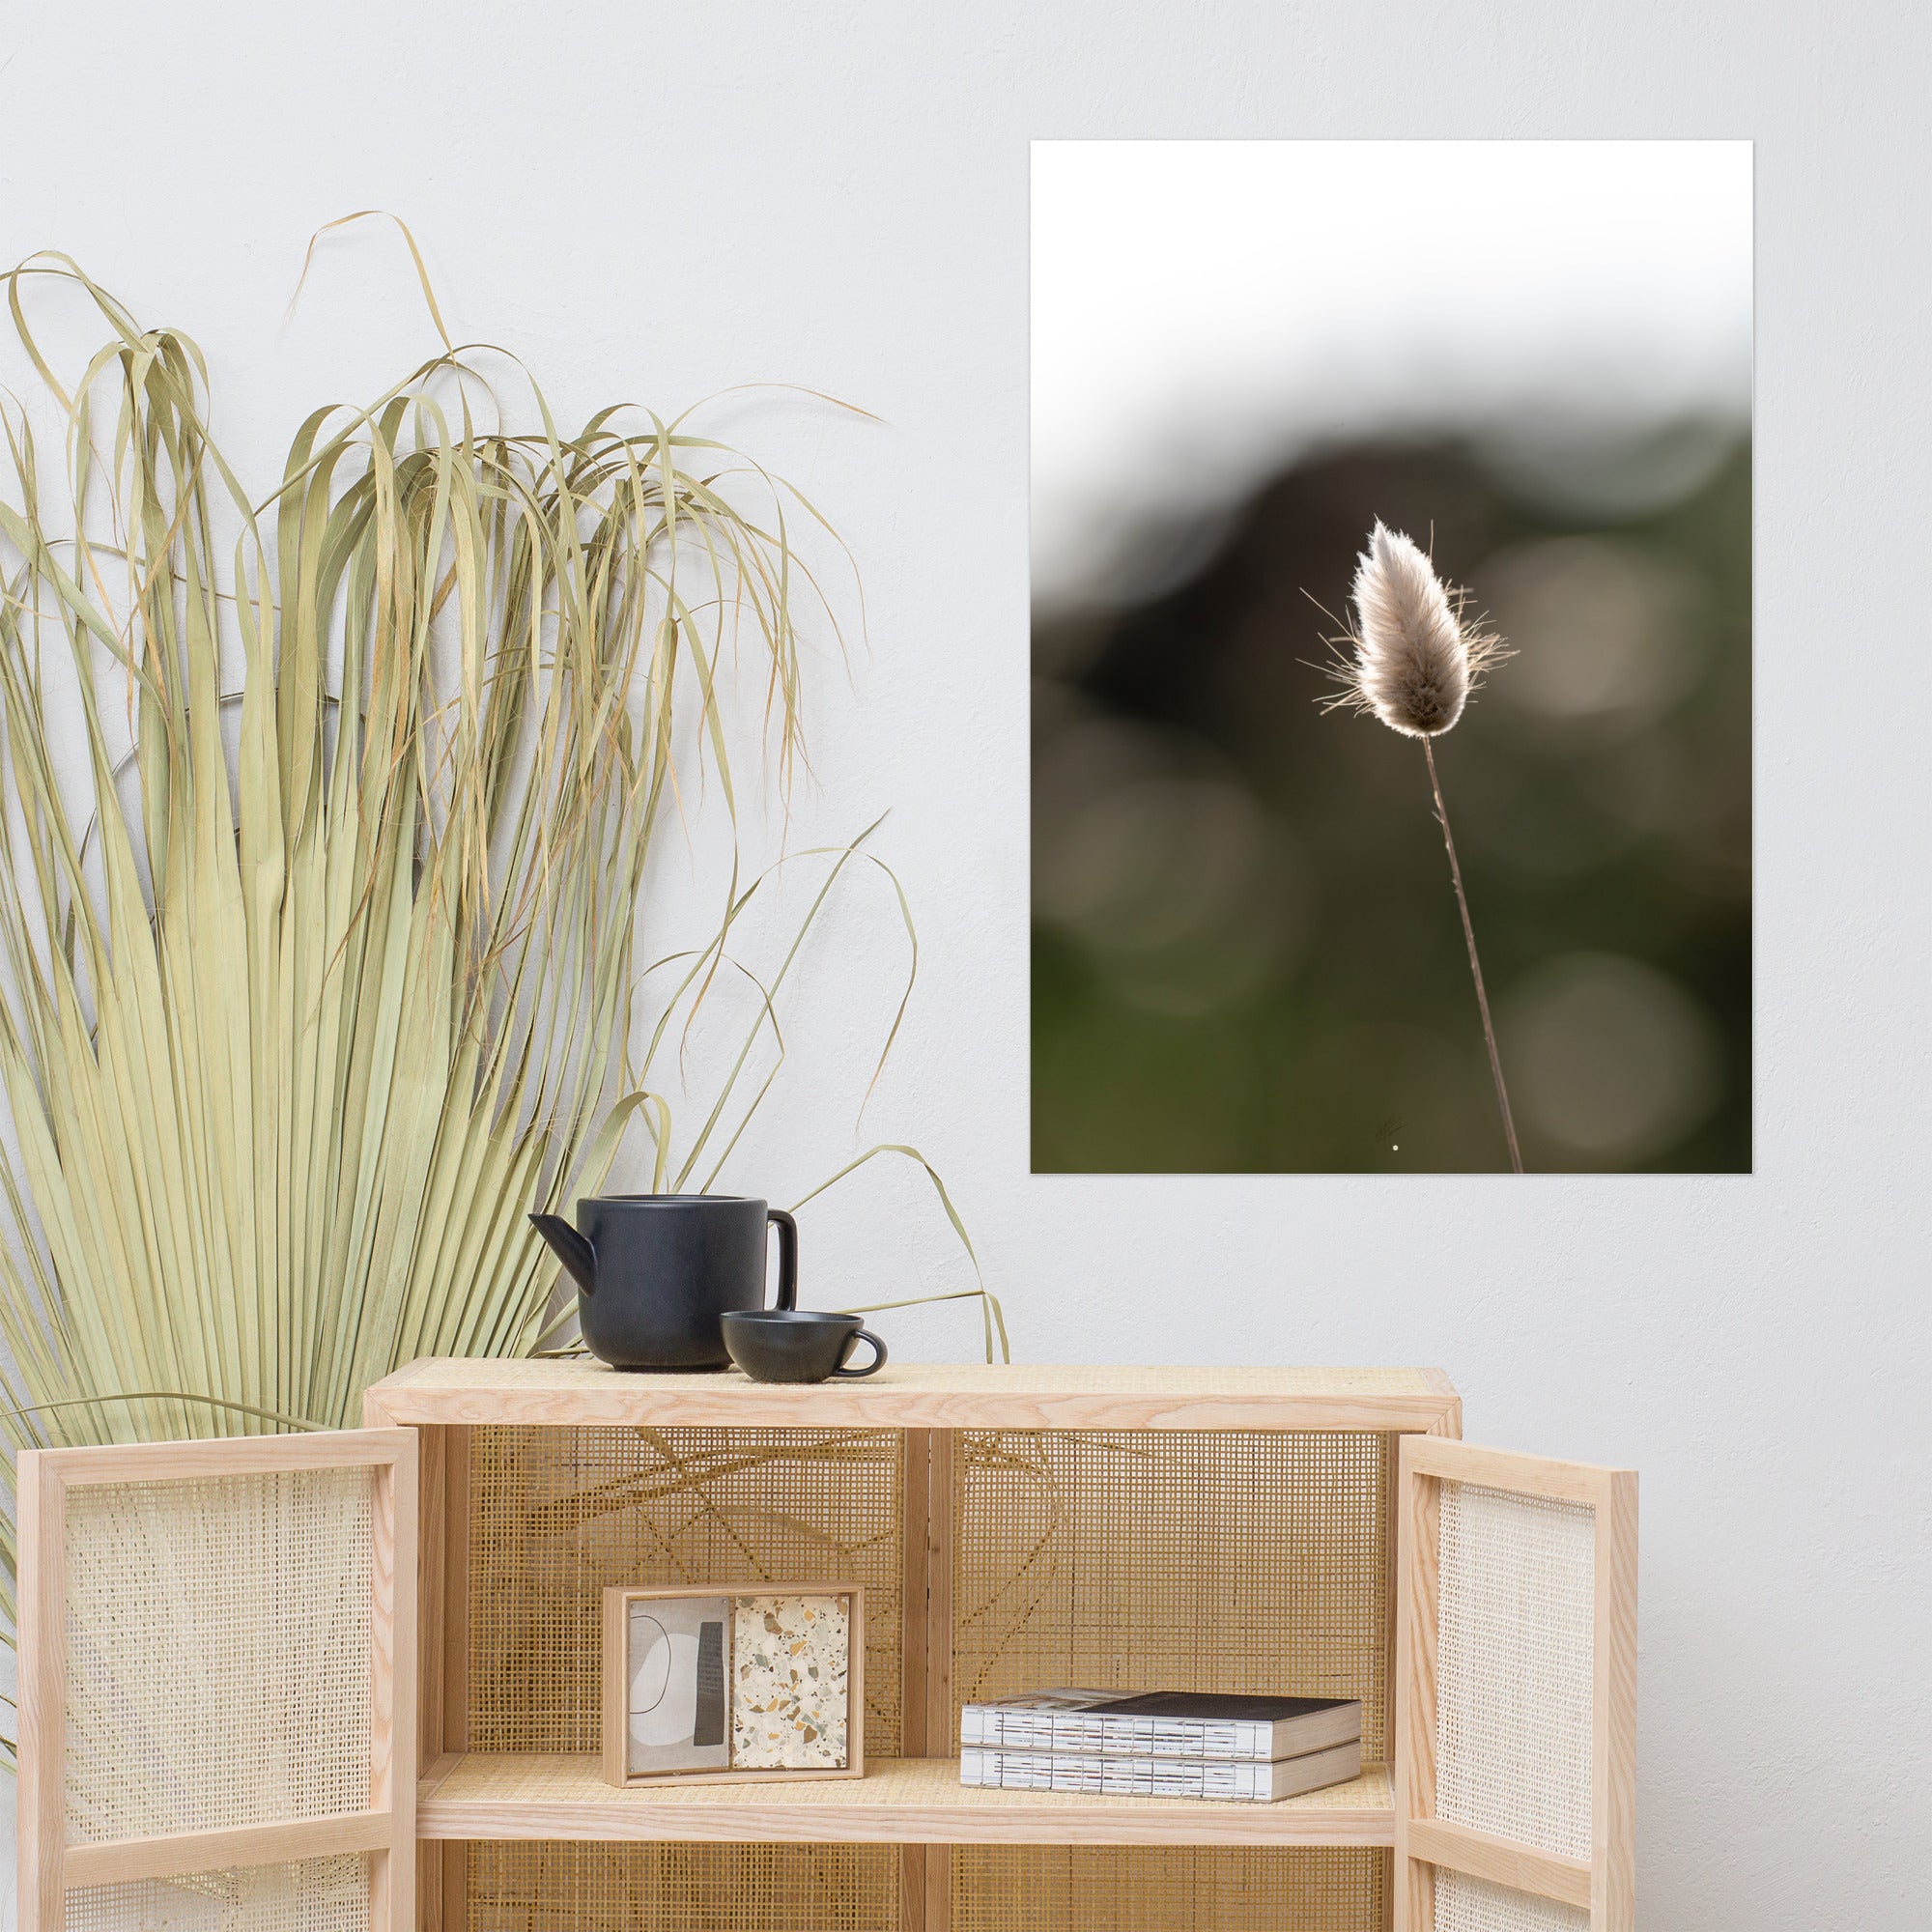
<point x="1251" y="1561"/>
<point x="1114" y="1889"/>
<point x="313" y="1896"/>
<point x="1514" y="1668"/>
<point x="1465" y="1904"/>
<point x="558" y="1514"/>
<point x="531" y="1886"/>
<point x="217" y="1654"/>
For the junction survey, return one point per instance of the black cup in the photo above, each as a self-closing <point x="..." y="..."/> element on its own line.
<point x="790" y="1345"/>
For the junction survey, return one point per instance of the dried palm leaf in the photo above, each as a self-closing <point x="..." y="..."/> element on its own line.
<point x="319" y="973"/>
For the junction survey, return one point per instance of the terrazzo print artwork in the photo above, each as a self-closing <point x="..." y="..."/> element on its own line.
<point x="790" y="1657"/>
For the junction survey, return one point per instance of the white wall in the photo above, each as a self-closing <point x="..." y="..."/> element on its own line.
<point x="658" y="201"/>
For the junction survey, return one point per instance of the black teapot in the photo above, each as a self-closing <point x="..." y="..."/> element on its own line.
<point x="656" y="1272"/>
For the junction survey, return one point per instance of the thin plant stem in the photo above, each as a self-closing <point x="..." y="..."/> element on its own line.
<point x="1475" y="965"/>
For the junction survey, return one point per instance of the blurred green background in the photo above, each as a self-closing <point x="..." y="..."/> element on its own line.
<point x="1246" y="951"/>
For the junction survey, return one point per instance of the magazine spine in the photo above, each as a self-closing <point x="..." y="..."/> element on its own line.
<point x="1021" y="1730"/>
<point x="1238" y="1782"/>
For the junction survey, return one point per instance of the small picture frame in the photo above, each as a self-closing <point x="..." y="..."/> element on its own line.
<point x="749" y="1683"/>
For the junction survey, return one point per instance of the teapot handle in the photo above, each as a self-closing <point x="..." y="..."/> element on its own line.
<point x="787" y="1258"/>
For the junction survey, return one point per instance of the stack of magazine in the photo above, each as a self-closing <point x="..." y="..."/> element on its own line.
<point x="1163" y="1743"/>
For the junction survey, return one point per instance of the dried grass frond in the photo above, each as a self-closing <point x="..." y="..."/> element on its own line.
<point x="292" y="1036"/>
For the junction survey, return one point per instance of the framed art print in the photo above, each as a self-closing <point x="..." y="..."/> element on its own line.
<point x="1391" y="657"/>
<point x="751" y="1684"/>
<point x="674" y="1681"/>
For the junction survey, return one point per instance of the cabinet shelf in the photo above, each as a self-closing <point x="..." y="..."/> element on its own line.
<point x="898" y="1802"/>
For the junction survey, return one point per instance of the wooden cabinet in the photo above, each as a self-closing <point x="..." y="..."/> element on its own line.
<point x="1320" y="1530"/>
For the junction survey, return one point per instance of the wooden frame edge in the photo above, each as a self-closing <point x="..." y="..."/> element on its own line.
<point x="441" y="1545"/>
<point x="394" y="1712"/>
<point x="915" y="1527"/>
<point x="943" y="1499"/>
<point x="863" y="1405"/>
<point x="613" y="1740"/>
<point x="1412" y="1777"/>
<point x="1613" y="1748"/>
<point x="173" y="1854"/>
<point x="41" y="1651"/>
<point x="1454" y="1461"/>
<point x="211" y="1456"/>
<point x="926" y="1652"/>
<point x="1500" y="1860"/>
<point x="768" y="1812"/>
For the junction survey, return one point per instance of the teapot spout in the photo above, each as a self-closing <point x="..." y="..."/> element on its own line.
<point x="570" y="1248"/>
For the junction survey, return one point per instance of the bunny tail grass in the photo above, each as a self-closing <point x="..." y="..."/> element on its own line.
<point x="1415" y="660"/>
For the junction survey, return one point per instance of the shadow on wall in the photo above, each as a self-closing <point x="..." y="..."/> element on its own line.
<point x="1246" y="951"/>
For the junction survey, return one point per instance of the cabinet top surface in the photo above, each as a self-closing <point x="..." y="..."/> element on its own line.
<point x="921" y="1396"/>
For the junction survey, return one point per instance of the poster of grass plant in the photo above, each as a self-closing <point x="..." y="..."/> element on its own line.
<point x="1392" y="656"/>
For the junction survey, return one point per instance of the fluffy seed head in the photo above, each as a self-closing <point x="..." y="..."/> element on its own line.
<point x="1414" y="662"/>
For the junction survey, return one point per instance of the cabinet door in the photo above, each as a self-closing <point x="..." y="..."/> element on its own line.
<point x="1515" y="1693"/>
<point x="217" y="1685"/>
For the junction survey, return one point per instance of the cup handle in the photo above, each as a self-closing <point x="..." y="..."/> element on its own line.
<point x="872" y="1367"/>
<point x="787" y="1258"/>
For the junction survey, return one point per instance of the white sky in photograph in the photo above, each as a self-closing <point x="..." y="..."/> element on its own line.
<point x="1202" y="309"/>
